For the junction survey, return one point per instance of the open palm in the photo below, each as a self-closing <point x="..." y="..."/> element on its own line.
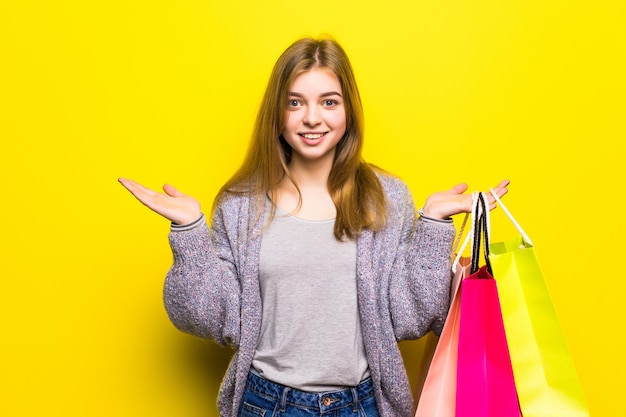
<point x="453" y="201"/>
<point x="175" y="206"/>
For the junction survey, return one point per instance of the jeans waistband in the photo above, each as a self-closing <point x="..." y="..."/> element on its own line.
<point x="322" y="401"/>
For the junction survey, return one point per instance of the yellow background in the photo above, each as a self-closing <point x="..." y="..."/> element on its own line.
<point x="166" y="91"/>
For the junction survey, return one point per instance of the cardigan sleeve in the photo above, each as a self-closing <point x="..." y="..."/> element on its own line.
<point x="419" y="287"/>
<point x="202" y="294"/>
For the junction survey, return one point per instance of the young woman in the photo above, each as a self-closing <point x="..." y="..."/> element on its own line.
<point x="315" y="263"/>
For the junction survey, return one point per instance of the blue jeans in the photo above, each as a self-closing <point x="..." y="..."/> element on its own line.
<point x="264" y="398"/>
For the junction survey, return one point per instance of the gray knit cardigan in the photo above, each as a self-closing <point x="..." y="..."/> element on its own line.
<point x="403" y="282"/>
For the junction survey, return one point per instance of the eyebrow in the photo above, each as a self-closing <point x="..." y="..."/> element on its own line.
<point x="327" y="94"/>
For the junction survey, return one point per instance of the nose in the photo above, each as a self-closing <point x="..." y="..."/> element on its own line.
<point x="312" y="116"/>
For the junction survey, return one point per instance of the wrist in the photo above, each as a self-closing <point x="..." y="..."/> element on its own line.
<point x="433" y="217"/>
<point x="185" y="217"/>
<point x="187" y="225"/>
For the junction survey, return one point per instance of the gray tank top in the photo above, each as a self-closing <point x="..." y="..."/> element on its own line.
<point x="311" y="333"/>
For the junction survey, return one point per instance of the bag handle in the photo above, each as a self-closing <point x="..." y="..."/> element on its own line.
<point x="469" y="235"/>
<point x="481" y="231"/>
<point x="510" y="216"/>
<point x="455" y="245"/>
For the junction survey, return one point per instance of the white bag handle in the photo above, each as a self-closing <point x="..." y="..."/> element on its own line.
<point x="510" y="216"/>
<point x="457" y="241"/>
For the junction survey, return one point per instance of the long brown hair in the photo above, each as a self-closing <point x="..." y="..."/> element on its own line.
<point x="353" y="184"/>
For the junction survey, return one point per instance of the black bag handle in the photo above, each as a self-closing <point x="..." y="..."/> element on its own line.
<point x="481" y="232"/>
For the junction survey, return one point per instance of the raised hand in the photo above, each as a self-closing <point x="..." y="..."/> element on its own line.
<point x="444" y="204"/>
<point x="175" y="206"/>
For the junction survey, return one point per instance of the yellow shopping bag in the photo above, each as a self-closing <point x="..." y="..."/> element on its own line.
<point x="545" y="376"/>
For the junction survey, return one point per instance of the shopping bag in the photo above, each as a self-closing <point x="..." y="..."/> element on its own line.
<point x="485" y="383"/>
<point x="420" y="355"/>
<point x="545" y="376"/>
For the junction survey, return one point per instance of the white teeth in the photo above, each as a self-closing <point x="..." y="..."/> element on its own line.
<point x="313" y="135"/>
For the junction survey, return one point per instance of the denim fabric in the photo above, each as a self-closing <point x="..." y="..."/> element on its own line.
<point x="264" y="398"/>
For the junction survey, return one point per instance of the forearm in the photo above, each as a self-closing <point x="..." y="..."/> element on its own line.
<point x="420" y="292"/>
<point x="201" y="290"/>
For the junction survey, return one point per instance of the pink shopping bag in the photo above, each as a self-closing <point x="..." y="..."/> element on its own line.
<point x="485" y="382"/>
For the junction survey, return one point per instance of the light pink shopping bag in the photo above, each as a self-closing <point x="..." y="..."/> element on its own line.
<point x="439" y="392"/>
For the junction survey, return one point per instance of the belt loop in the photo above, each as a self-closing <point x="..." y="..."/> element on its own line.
<point x="283" y="399"/>
<point x="355" y="400"/>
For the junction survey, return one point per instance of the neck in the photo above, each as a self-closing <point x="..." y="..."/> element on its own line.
<point x="314" y="201"/>
<point x="311" y="173"/>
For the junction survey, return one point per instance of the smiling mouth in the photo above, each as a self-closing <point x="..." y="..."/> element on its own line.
<point x="312" y="135"/>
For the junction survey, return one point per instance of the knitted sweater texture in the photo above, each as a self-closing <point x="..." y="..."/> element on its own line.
<point x="403" y="283"/>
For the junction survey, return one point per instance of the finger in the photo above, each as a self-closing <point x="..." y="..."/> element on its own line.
<point x="145" y="195"/>
<point x="126" y="183"/>
<point x="459" y="188"/>
<point x="133" y="186"/>
<point x="501" y="189"/>
<point x="172" y="191"/>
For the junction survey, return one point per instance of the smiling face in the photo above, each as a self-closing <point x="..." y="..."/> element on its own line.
<point x="316" y="116"/>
